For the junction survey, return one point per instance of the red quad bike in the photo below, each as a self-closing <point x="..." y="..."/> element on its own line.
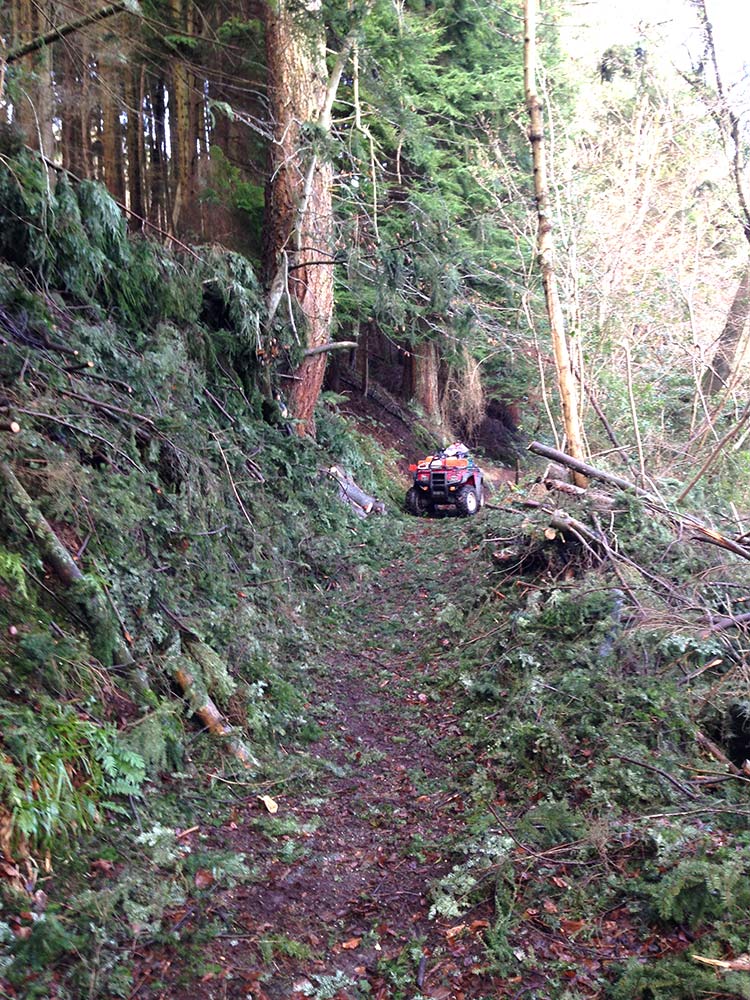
<point x="449" y="479"/>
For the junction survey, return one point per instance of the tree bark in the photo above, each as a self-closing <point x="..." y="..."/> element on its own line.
<point x="73" y="101"/>
<point x="135" y="149"/>
<point x="183" y="127"/>
<point x="297" y="79"/>
<point x="728" y="123"/>
<point x="425" y="383"/>
<point x="158" y="169"/>
<point x="545" y="249"/>
<point x="111" y="105"/>
<point x="33" y="111"/>
<point x="723" y="364"/>
<point x="299" y="206"/>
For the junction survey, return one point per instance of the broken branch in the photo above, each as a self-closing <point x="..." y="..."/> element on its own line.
<point x="339" y="345"/>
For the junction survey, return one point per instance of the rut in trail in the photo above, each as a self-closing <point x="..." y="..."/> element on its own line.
<point x="347" y="886"/>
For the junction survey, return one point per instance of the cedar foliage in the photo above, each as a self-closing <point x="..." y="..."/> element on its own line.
<point x="137" y="462"/>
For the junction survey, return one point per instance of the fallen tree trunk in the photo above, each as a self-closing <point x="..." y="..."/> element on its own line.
<point x="353" y="495"/>
<point x="601" y="501"/>
<point x="702" y="532"/>
<point x="106" y="641"/>
<point x="587" y="470"/>
<point x="50" y="547"/>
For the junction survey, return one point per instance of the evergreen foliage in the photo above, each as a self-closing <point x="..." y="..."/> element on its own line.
<point x="155" y="464"/>
<point x="429" y="253"/>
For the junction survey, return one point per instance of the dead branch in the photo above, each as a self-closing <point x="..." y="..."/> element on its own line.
<point x="713" y="751"/>
<point x="67" y="29"/>
<point x="658" y="770"/>
<point x="99" y="404"/>
<point x="232" y="483"/>
<point x="735" y="621"/>
<point x="339" y="345"/>
<point x="11" y="426"/>
<point x="209" y="395"/>
<point x="716" y="452"/>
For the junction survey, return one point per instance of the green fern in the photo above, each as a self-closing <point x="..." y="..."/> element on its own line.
<point x="11" y="570"/>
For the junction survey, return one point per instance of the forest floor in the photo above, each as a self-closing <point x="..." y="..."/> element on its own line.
<point x="347" y="848"/>
<point x="339" y="902"/>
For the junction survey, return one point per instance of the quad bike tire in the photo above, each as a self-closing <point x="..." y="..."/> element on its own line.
<point x="467" y="501"/>
<point x="416" y="504"/>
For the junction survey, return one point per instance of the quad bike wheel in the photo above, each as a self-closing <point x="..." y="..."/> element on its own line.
<point x="416" y="503"/>
<point x="467" y="501"/>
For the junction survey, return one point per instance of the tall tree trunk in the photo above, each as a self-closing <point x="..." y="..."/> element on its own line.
<point x="545" y="249"/>
<point x="181" y="122"/>
<point x="34" y="109"/>
<point x="135" y="146"/>
<point x="72" y="99"/>
<point x="425" y="382"/>
<point x="298" y="253"/>
<point x="111" y="105"/>
<point x="729" y="123"/>
<point x="363" y="355"/>
<point x="723" y="364"/>
<point x="157" y="172"/>
<point x="299" y="209"/>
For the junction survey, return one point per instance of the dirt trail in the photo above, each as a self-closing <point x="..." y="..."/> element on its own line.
<point x="343" y="886"/>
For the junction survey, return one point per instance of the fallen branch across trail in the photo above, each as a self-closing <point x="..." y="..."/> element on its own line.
<point x="700" y="532"/>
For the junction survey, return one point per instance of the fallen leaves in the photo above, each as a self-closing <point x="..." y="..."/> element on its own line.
<point x="271" y="805"/>
<point x="203" y="878"/>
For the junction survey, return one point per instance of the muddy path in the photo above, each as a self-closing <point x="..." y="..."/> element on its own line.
<point x="339" y="903"/>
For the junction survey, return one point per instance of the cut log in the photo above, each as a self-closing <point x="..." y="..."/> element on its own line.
<point x="205" y="708"/>
<point x="11" y="426"/>
<point x="352" y="494"/>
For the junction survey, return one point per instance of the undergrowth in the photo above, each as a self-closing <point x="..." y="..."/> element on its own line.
<point x="594" y="816"/>
<point x="199" y="526"/>
<point x="590" y="811"/>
